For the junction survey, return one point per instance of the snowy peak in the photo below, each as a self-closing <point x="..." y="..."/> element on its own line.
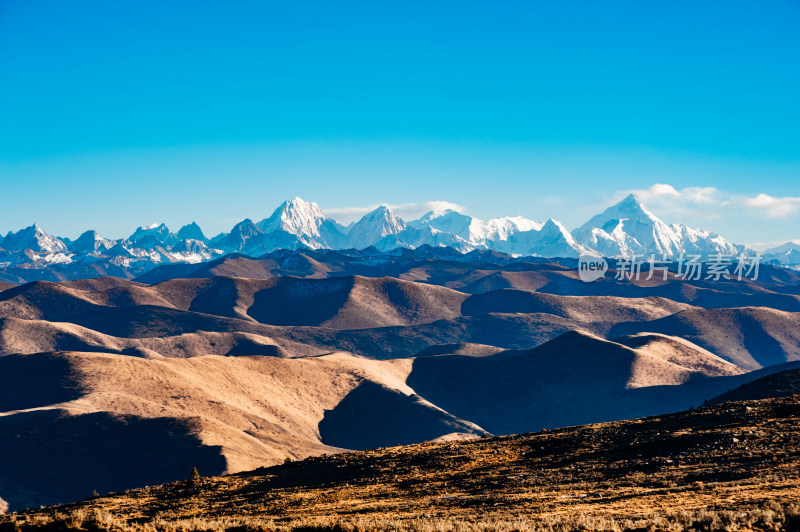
<point x="628" y="228"/>
<point x="550" y="239"/>
<point x="478" y="233"/>
<point x="496" y="229"/>
<point x="554" y="227"/>
<point x="158" y="231"/>
<point x="306" y="221"/>
<point x="705" y="243"/>
<point x="34" y="239"/>
<point x="374" y="226"/>
<point x="90" y="242"/>
<point x="429" y="217"/>
<point x="448" y="221"/>
<point x="189" y="245"/>
<point x="788" y="247"/>
<point x="295" y="216"/>
<point x="630" y="209"/>
<point x="788" y="253"/>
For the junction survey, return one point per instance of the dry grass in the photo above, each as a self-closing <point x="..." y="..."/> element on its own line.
<point x="769" y="516"/>
<point x="727" y="467"/>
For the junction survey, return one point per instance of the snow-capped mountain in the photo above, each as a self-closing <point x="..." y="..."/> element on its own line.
<point x="705" y="243"/>
<point x="152" y="233"/>
<point x="477" y="233"/>
<point x="622" y="229"/>
<point x="90" y="242"/>
<point x="374" y="226"/>
<point x="414" y="237"/>
<point x="307" y="222"/>
<point x="550" y="240"/>
<point x="33" y="238"/>
<point x="629" y="228"/>
<point x="788" y="253"/>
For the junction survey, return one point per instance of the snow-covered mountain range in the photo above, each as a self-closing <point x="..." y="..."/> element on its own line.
<point x="623" y="229"/>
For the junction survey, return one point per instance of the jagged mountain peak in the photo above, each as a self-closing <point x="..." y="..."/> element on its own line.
<point x="553" y="226"/>
<point x="374" y="226"/>
<point x="33" y="238"/>
<point x="630" y="208"/>
<point x="307" y="222"/>
<point x="295" y="216"/>
<point x="383" y="212"/>
<point x="158" y="230"/>
<point x="192" y="231"/>
<point x="90" y="242"/>
<point x="631" y="201"/>
<point x="152" y="228"/>
<point x="247" y="227"/>
<point x="380" y="211"/>
<point x="629" y="228"/>
<point x="300" y="209"/>
<point x="550" y="239"/>
<point x="553" y="223"/>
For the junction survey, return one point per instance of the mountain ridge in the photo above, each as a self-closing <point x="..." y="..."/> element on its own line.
<point x="624" y="229"/>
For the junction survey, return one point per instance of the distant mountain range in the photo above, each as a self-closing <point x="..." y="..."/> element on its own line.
<point x="623" y="229"/>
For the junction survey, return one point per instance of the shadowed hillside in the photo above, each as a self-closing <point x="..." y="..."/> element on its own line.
<point x="729" y="467"/>
<point x="256" y="410"/>
<point x="233" y="373"/>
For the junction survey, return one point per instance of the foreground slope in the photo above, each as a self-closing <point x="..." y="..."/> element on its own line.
<point x="104" y="414"/>
<point x="732" y="466"/>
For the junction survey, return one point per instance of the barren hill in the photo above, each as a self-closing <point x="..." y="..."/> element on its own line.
<point x="575" y="378"/>
<point x="228" y="373"/>
<point x="732" y="466"/>
<point x="580" y="308"/>
<point x="341" y="303"/>
<point x="750" y="337"/>
<point x="237" y="412"/>
<point x="240" y="412"/>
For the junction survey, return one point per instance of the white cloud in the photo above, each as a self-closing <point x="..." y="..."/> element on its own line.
<point x="406" y="211"/>
<point x="770" y="206"/>
<point x="710" y="202"/>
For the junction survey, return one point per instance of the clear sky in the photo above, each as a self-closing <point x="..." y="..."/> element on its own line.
<point x="119" y="114"/>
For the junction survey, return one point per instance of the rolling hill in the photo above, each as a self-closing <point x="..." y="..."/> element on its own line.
<point x="731" y="466"/>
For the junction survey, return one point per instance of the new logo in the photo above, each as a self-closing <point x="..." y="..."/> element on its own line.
<point x="591" y="268"/>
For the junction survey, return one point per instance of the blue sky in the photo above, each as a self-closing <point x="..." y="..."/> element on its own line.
<point x="119" y="114"/>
